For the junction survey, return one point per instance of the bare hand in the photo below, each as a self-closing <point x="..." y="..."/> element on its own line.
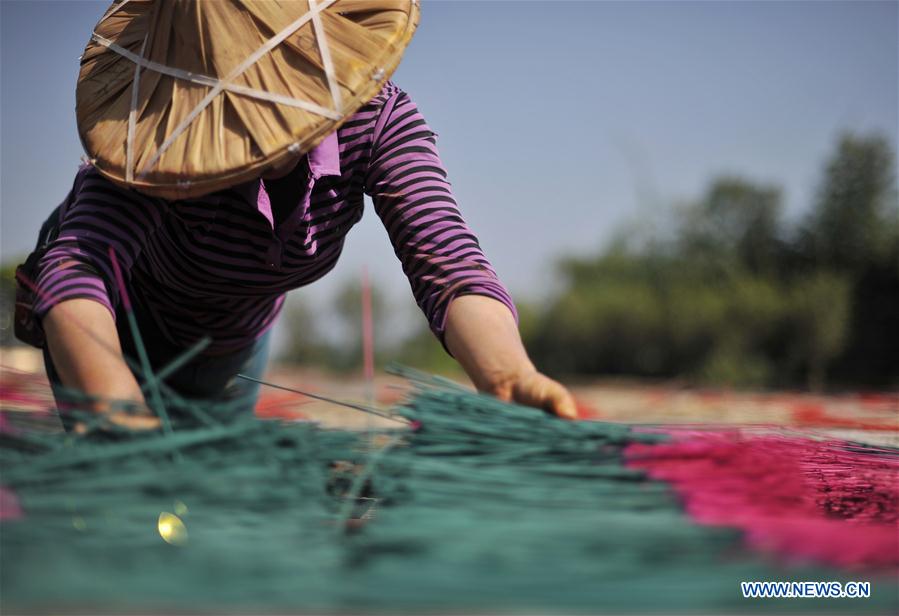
<point x="532" y="388"/>
<point x="136" y="422"/>
<point x="482" y="335"/>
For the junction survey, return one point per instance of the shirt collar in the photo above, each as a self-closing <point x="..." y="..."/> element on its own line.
<point x="324" y="159"/>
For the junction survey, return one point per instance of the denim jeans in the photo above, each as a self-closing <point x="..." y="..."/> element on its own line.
<point x="211" y="378"/>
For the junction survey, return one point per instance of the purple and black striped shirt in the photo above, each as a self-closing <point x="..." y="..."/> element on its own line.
<point x="219" y="266"/>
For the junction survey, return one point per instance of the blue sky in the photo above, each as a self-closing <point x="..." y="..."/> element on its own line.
<point x="559" y="122"/>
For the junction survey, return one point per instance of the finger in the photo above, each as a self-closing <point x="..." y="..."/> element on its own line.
<point x="134" y="422"/>
<point x="564" y="405"/>
<point x="561" y="403"/>
<point x="547" y="394"/>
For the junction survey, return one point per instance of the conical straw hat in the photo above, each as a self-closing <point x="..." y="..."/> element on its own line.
<point x="179" y="98"/>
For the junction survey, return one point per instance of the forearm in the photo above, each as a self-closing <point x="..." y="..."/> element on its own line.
<point x="482" y="335"/>
<point x="84" y="344"/>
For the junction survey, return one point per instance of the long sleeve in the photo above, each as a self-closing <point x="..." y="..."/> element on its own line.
<point x="413" y="198"/>
<point x="98" y="214"/>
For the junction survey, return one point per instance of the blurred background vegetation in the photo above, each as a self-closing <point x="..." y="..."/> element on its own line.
<point x="733" y="295"/>
<point x="729" y="294"/>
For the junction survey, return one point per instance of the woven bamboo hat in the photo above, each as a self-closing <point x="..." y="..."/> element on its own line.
<point x="179" y="98"/>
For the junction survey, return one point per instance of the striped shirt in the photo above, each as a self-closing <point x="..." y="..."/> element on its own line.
<point x="219" y="266"/>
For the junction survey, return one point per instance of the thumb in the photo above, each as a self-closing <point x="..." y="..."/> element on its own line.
<point x="542" y="392"/>
<point x="561" y="402"/>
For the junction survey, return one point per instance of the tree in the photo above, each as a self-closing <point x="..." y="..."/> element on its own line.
<point x="340" y="351"/>
<point x="305" y="344"/>
<point x="348" y="310"/>
<point x="820" y="306"/>
<point x="854" y="221"/>
<point x="736" y="221"/>
<point x="7" y="303"/>
<point x="854" y="229"/>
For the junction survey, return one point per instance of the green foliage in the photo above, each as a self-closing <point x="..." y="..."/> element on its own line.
<point x="736" y="221"/>
<point x="658" y="316"/>
<point x="729" y="301"/>
<point x="423" y="350"/>
<point x="305" y="345"/>
<point x="855" y="219"/>
<point x="819" y="317"/>
<point x="308" y="346"/>
<point x="8" y="301"/>
<point x="343" y="353"/>
<point x="609" y="323"/>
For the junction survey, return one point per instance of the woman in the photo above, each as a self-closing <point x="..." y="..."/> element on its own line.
<point x="205" y="234"/>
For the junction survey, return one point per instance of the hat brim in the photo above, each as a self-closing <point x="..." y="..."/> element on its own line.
<point x="192" y="131"/>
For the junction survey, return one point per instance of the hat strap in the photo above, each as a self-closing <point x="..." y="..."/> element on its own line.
<point x="325" y="53"/>
<point x="206" y="80"/>
<point x="132" y="117"/>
